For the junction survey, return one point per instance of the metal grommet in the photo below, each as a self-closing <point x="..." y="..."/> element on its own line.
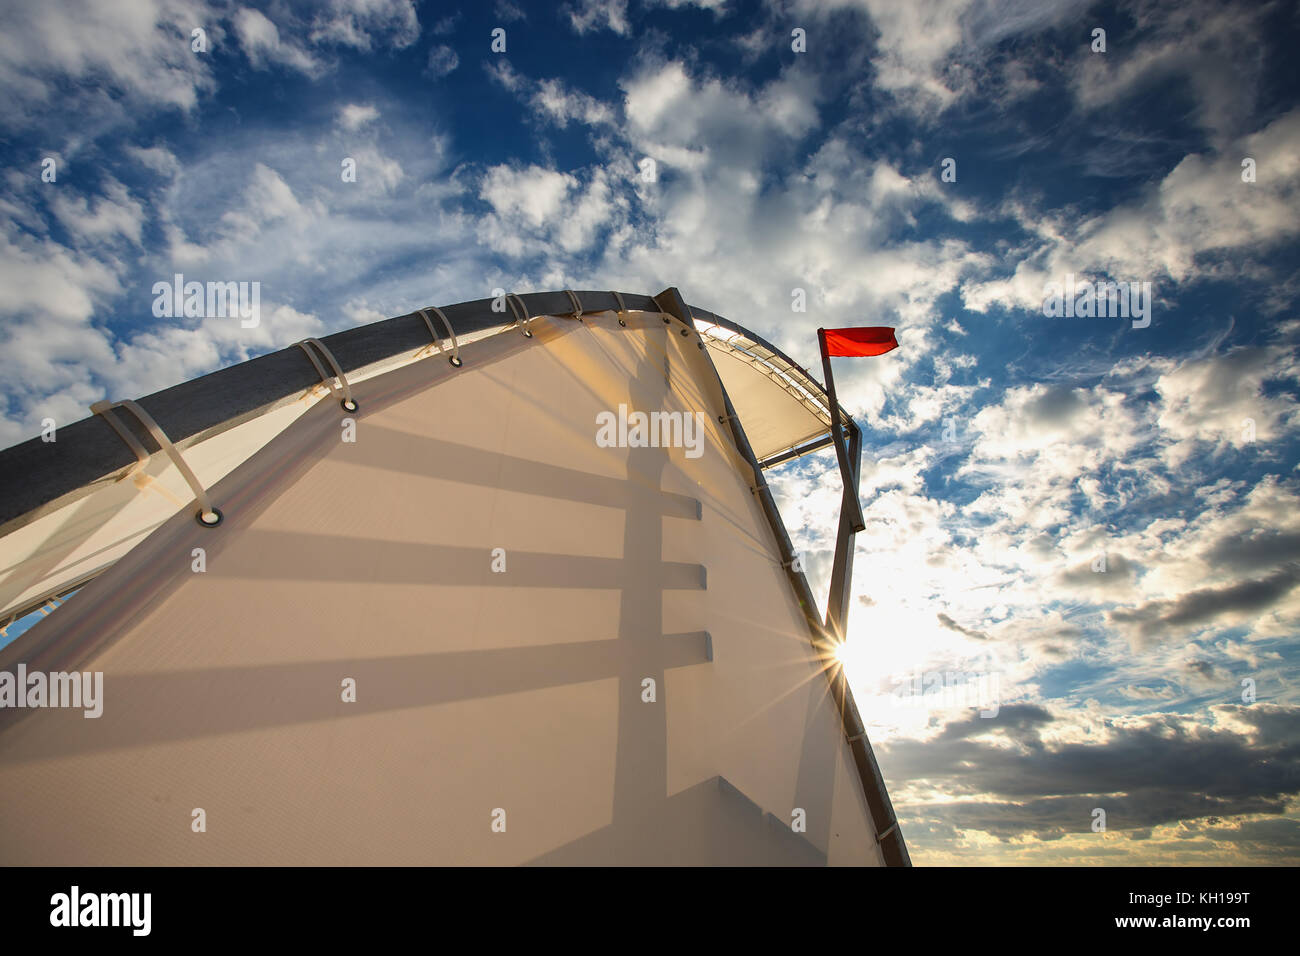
<point x="349" y="405"/>
<point x="201" y="517"/>
<point x="686" y="331"/>
<point x="665" y="320"/>
<point x="527" y="334"/>
<point x="455" y="361"/>
<point x="622" y="323"/>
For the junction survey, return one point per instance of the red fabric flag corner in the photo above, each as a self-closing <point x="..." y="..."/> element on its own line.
<point x="872" y="340"/>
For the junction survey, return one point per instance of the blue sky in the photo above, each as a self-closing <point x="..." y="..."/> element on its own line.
<point x="1007" y="451"/>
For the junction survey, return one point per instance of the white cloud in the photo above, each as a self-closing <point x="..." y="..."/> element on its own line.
<point x="260" y="40"/>
<point x="1039" y="420"/>
<point x="1221" y="399"/>
<point x="1197" y="44"/>
<point x="135" y="46"/>
<point x="714" y="6"/>
<point x="563" y="105"/>
<point x="165" y="356"/>
<point x="536" y="208"/>
<point x="1180" y="228"/>
<point x="366" y="25"/>
<point x="353" y="116"/>
<point x="377" y="170"/>
<point x="158" y="158"/>
<point x="40" y="275"/>
<point x="931" y="53"/>
<point x="442" y="61"/>
<point x="114" y="214"/>
<point x="589" y="15"/>
<point x="533" y="193"/>
<point x="503" y="73"/>
<point x="552" y="98"/>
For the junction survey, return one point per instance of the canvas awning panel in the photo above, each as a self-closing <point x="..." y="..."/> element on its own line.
<point x="770" y="393"/>
<point x="634" y="684"/>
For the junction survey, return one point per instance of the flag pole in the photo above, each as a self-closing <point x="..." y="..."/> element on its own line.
<point x="847" y="474"/>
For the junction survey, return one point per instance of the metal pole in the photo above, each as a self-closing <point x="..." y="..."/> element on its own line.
<point x="847" y="475"/>
<point x="837" y="602"/>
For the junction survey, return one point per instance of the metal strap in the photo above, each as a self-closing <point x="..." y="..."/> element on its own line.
<point x="102" y="409"/>
<point x="207" y="515"/>
<point x="455" y="346"/>
<point x="622" y="309"/>
<point x="577" y="305"/>
<point x="521" y="313"/>
<point x="348" y="404"/>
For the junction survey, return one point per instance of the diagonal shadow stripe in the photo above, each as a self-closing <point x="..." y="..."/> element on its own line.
<point x="224" y="700"/>
<point x="393" y="450"/>
<point x="324" y="557"/>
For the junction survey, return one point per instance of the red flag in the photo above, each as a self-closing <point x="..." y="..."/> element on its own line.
<point x="872" y="340"/>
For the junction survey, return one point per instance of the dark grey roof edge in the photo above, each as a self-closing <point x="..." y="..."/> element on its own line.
<point x="37" y="476"/>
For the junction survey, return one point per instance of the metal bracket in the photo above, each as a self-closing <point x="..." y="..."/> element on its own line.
<point x="522" y="318"/>
<point x="455" y="346"/>
<point x="577" y="304"/>
<point x="207" y="515"/>
<point x="306" y="345"/>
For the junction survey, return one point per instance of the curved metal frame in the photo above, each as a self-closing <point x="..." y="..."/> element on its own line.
<point x="36" y="476"/>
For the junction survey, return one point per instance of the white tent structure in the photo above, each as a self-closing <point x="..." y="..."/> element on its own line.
<point x="439" y="618"/>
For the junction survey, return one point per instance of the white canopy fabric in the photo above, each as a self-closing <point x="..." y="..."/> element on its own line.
<point x="770" y="394"/>
<point x="558" y="651"/>
<point x="72" y="542"/>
